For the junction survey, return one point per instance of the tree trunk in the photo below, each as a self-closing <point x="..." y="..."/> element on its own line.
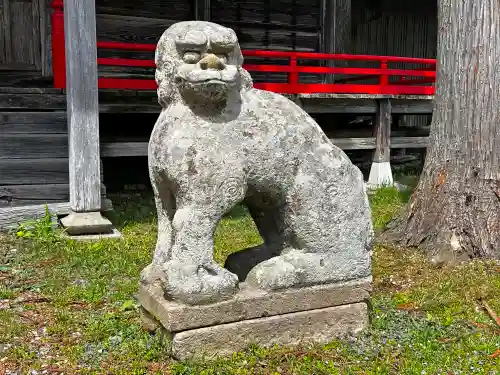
<point x="454" y="212"/>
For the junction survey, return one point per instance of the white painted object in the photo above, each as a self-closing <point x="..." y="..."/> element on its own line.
<point x="380" y="175"/>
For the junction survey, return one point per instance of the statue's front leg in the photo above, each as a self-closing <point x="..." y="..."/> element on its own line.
<point x="191" y="274"/>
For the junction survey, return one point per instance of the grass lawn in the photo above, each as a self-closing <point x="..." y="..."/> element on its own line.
<point x="69" y="307"/>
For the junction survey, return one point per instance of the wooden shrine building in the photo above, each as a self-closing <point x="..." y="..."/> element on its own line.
<point x="68" y="66"/>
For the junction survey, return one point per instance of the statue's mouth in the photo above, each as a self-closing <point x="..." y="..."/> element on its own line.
<point x="209" y="81"/>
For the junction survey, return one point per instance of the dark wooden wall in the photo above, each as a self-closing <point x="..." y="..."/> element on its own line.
<point x="394" y="27"/>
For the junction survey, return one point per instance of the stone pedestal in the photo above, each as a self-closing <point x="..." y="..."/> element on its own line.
<point x="312" y="315"/>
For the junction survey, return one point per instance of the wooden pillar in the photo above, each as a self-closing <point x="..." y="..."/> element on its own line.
<point x="83" y="120"/>
<point x="336" y="30"/>
<point x="380" y="172"/>
<point x="202" y="10"/>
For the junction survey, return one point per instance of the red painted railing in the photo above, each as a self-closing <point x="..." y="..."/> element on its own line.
<point x="420" y="82"/>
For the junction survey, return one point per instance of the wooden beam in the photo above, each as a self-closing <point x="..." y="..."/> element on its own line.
<point x="383" y="131"/>
<point x="409" y="142"/>
<point x="334" y="105"/>
<point x="380" y="172"/>
<point x="82" y="105"/>
<point x="412" y="107"/>
<point x="32" y="146"/>
<point x="34" y="171"/>
<point x="125" y="149"/>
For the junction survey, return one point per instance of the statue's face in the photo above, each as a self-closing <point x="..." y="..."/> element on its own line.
<point x="208" y="65"/>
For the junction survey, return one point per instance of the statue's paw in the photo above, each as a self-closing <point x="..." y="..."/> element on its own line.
<point x="273" y="274"/>
<point x="151" y="274"/>
<point x="198" y="284"/>
<point x="298" y="269"/>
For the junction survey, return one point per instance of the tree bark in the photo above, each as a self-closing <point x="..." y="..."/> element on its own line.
<point x="454" y="212"/>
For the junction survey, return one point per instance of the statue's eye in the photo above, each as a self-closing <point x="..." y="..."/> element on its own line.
<point x="222" y="57"/>
<point x="191" y="57"/>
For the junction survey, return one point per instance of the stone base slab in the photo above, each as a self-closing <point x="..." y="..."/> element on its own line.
<point x="115" y="234"/>
<point x="86" y="223"/>
<point x="319" y="326"/>
<point x="249" y="303"/>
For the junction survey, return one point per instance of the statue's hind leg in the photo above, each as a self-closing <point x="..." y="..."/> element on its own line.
<point x="267" y="216"/>
<point x="329" y="232"/>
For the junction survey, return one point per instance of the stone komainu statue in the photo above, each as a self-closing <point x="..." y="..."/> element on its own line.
<point x="219" y="142"/>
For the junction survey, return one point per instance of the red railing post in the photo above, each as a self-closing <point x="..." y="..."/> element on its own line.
<point x="384" y="78"/>
<point x="58" y="48"/>
<point x="293" y="75"/>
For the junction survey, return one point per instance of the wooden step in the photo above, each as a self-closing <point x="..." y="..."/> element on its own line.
<point x="33" y="122"/>
<point x="32" y="99"/>
<point x="33" y="146"/>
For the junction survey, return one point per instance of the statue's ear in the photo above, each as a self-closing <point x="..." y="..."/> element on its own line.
<point x="236" y="55"/>
<point x="166" y="64"/>
<point x="246" y="80"/>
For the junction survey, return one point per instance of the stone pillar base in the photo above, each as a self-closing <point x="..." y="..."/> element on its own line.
<point x="311" y="315"/>
<point x="380" y="175"/>
<point x="86" y="223"/>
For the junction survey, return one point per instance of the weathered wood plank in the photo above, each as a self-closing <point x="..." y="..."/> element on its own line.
<point x="409" y="142"/>
<point x="130" y="108"/>
<point x="34" y="171"/>
<point x="11" y="217"/>
<point x="32" y="101"/>
<point x="412" y="107"/>
<point x="138" y="148"/>
<point x="31" y="146"/>
<point x="121" y="149"/>
<point x="16" y="195"/>
<point x="83" y="105"/>
<point x="383" y="131"/>
<point x="30" y="90"/>
<point x="33" y="122"/>
<point x="333" y="105"/>
<point x="354" y="143"/>
<point x="180" y="10"/>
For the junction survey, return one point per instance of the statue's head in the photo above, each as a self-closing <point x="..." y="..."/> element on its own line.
<point x="199" y="60"/>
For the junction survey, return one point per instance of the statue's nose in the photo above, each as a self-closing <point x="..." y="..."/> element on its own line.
<point x="210" y="61"/>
